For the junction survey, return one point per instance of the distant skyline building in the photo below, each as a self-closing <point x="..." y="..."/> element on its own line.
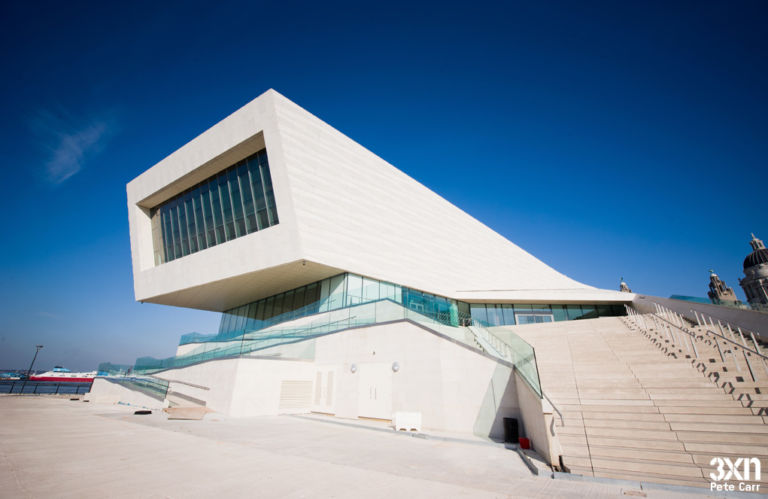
<point x="623" y="287"/>
<point x="755" y="281"/>
<point x="719" y="292"/>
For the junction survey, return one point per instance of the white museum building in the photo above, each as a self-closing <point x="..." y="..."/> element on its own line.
<point x="346" y="287"/>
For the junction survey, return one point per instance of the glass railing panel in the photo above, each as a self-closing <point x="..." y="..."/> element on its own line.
<point x="512" y="349"/>
<point x="524" y="358"/>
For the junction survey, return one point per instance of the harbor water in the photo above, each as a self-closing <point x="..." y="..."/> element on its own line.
<point x="43" y="387"/>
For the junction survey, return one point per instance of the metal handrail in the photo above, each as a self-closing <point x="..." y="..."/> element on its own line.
<point x="691" y="333"/>
<point x="554" y="406"/>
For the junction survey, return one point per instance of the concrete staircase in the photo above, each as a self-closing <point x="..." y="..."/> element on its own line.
<point x="631" y="410"/>
<point x="729" y="359"/>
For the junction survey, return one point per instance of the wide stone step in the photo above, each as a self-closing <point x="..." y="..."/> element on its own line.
<point x="736" y="409"/>
<point x="671" y="402"/>
<point x="721" y="437"/>
<point x="628" y="416"/>
<point x="580" y="461"/>
<point x="668" y="469"/>
<point x="630" y="433"/>
<point x="570" y="430"/>
<point x="698" y="382"/>
<point x="754" y="403"/>
<point x="570" y="440"/>
<point x="711" y="418"/>
<point x="580" y="470"/>
<point x="759" y="396"/>
<point x="575" y="450"/>
<point x="652" y="477"/>
<point x="720" y="428"/>
<point x="612" y="393"/>
<point x="713" y="395"/>
<point x="616" y="408"/>
<point x="726" y="448"/>
<point x="626" y="423"/>
<point x="622" y="402"/>
<point x="742" y="384"/>
<point x="628" y="453"/>
<point x="711" y="389"/>
<point x="635" y="443"/>
<point x="587" y="388"/>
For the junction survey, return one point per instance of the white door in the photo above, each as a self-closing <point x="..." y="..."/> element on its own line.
<point x="325" y="389"/>
<point x="375" y="391"/>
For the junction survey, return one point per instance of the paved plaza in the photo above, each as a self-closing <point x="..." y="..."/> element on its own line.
<point x="56" y="447"/>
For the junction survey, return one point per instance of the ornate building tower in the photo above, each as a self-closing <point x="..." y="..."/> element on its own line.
<point x="623" y="287"/>
<point x="755" y="281"/>
<point x="719" y="292"/>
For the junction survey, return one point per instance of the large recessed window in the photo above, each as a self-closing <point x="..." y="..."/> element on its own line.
<point x="235" y="202"/>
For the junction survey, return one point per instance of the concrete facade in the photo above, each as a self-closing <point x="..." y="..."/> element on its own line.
<point x="341" y="207"/>
<point x="353" y="374"/>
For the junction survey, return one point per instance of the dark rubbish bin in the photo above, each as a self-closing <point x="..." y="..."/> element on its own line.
<point x="511" y="433"/>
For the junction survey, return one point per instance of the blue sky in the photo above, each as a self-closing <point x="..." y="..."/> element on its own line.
<point x="609" y="139"/>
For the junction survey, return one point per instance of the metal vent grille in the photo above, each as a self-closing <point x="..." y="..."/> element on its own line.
<point x="295" y="394"/>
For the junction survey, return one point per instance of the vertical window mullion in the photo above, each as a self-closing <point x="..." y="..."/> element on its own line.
<point x="197" y="199"/>
<point x="190" y="216"/>
<point x="236" y="200"/>
<point x="218" y="219"/>
<point x="174" y="216"/>
<point x="226" y="206"/>
<point x="246" y="197"/>
<point x="165" y="225"/>
<point x="257" y="188"/>
<point x="269" y="196"/>
<point x="182" y="227"/>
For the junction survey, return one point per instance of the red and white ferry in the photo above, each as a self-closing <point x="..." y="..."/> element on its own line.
<point x="62" y="374"/>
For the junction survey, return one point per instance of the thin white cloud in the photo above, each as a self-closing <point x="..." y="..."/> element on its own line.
<point x="71" y="144"/>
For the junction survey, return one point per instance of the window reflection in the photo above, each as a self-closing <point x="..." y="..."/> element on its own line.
<point x="349" y="290"/>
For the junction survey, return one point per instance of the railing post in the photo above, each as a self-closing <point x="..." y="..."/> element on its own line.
<point x="669" y="336"/>
<point x="743" y="340"/>
<point x="58" y="385"/>
<point x="749" y="366"/>
<point x="757" y="347"/>
<point x="693" y="344"/>
<point x="642" y="319"/>
<point x="717" y="343"/>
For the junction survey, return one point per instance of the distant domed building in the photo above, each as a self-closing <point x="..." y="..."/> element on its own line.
<point x="755" y="281"/>
<point x="623" y="287"/>
<point x="719" y="292"/>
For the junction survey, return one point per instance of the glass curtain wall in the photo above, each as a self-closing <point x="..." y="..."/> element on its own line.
<point x="348" y="290"/>
<point x="504" y="314"/>
<point x="235" y="202"/>
<point x="341" y="291"/>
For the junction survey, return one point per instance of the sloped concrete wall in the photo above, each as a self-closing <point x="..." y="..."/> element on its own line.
<point x="104" y="391"/>
<point x="454" y="387"/>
